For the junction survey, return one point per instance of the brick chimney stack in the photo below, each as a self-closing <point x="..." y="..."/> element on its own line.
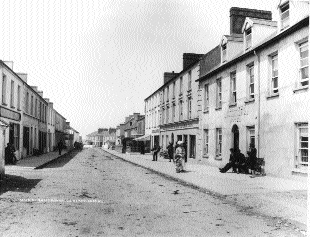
<point x="23" y="76"/>
<point x="169" y="75"/>
<point x="190" y="58"/>
<point x="238" y="15"/>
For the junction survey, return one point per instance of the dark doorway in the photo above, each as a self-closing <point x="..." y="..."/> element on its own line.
<point x="156" y="141"/>
<point x="192" y="146"/>
<point x="185" y="146"/>
<point x="235" y="133"/>
<point x="26" y="139"/>
<point x="172" y="138"/>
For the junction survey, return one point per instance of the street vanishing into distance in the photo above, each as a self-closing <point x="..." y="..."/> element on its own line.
<point x="94" y="193"/>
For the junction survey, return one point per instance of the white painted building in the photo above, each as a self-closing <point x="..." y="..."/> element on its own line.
<point x="261" y="94"/>
<point x="31" y="119"/>
<point x="152" y="113"/>
<point x="11" y="107"/>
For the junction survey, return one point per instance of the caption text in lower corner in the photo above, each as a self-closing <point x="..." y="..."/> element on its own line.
<point x="60" y="200"/>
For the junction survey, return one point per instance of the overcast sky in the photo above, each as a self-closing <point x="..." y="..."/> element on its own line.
<point x="98" y="60"/>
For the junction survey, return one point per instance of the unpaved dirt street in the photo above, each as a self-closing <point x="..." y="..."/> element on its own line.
<point x="92" y="193"/>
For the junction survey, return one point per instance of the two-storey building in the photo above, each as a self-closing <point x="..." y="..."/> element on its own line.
<point x="11" y="107"/>
<point x="31" y="118"/>
<point x="60" y="126"/>
<point x="50" y="126"/>
<point x="256" y="95"/>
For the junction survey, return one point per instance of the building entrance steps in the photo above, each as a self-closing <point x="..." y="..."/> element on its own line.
<point x="33" y="162"/>
<point x="276" y="196"/>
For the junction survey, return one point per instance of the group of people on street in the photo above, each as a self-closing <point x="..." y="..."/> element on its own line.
<point x="239" y="163"/>
<point x="176" y="154"/>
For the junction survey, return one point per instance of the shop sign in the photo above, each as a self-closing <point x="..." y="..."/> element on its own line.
<point x="183" y="125"/>
<point x="6" y="113"/>
<point x="155" y="131"/>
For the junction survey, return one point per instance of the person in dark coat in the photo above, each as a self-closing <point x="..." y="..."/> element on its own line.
<point x="242" y="163"/>
<point x="252" y="153"/>
<point x="233" y="162"/>
<point x="10" y="157"/>
<point x="60" y="146"/>
<point x="170" y="151"/>
<point x="155" y="150"/>
<point x="142" y="147"/>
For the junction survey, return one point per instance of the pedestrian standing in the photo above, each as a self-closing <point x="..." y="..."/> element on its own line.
<point x="155" y="151"/>
<point x="252" y="153"/>
<point x="170" y="151"/>
<point x="60" y="147"/>
<point x="142" y="148"/>
<point x="179" y="157"/>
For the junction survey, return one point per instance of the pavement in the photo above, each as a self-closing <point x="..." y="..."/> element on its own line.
<point x="271" y="195"/>
<point x="33" y="162"/>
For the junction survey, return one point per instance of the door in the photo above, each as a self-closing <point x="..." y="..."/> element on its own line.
<point x="192" y="146"/>
<point x="25" y="139"/>
<point x="235" y="136"/>
<point x="185" y="142"/>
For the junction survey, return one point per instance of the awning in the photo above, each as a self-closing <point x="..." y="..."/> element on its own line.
<point x="143" y="138"/>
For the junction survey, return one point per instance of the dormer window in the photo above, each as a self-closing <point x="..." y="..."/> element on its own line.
<point x="248" y="38"/>
<point x="224" y="53"/>
<point x="284" y="12"/>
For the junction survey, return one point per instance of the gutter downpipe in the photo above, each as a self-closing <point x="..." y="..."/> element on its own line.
<point x="258" y="109"/>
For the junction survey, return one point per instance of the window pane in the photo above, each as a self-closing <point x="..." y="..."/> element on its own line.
<point x="304" y="62"/>
<point x="304" y="132"/>
<point x="252" y="89"/>
<point x="275" y="82"/>
<point x="304" y="73"/>
<point x="304" y="155"/>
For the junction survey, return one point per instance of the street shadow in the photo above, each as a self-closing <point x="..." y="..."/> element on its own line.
<point x="16" y="183"/>
<point x="60" y="161"/>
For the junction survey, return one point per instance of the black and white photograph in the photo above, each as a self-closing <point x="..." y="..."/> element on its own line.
<point x="156" y="118"/>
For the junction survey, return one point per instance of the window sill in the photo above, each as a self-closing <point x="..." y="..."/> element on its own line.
<point x="218" y="158"/>
<point x="206" y="111"/>
<point x="12" y="107"/>
<point x="205" y="156"/>
<point x="299" y="89"/>
<point x="248" y="101"/>
<point x="299" y="170"/>
<point x="4" y="104"/>
<point x="232" y="105"/>
<point x="272" y="96"/>
<point x="18" y="109"/>
<point x="218" y="108"/>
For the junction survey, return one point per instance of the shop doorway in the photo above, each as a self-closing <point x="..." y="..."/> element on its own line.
<point x="235" y="136"/>
<point x="179" y="138"/>
<point x="192" y="146"/>
<point x="26" y="140"/>
<point x="156" y="140"/>
<point x="185" y="142"/>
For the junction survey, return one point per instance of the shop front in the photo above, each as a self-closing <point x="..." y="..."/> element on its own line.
<point x="181" y="131"/>
<point x="13" y="136"/>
